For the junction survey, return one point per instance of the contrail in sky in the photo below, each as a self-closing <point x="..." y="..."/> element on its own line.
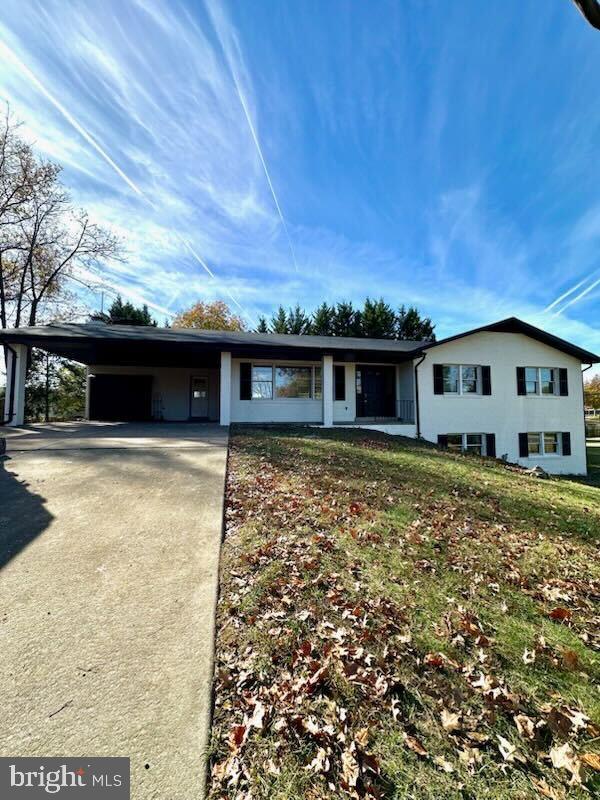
<point x="242" y="98"/>
<point x="6" y="51"/>
<point x="579" y="296"/>
<point x="568" y="292"/>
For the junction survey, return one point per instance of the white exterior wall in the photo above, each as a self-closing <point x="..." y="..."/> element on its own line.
<point x="504" y="412"/>
<point x="276" y="410"/>
<point x="170" y="389"/>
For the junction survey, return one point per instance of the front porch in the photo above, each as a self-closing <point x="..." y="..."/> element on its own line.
<point x="138" y="374"/>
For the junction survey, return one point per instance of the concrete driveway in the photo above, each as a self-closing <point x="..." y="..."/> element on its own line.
<point x="109" y="548"/>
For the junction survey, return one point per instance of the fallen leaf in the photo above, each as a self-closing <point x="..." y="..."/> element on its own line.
<point x="444" y="765"/>
<point x="560" y="614"/>
<point x="237" y="737"/>
<point x="450" y="720"/>
<point x="570" y="659"/>
<point x="525" y="725"/>
<point x="350" y="769"/>
<point x="320" y="762"/>
<point x="507" y="750"/>
<point x="258" y="715"/>
<point x="545" y="789"/>
<point x="591" y="760"/>
<point x="528" y="656"/>
<point x="563" y="757"/>
<point x="415" y="745"/>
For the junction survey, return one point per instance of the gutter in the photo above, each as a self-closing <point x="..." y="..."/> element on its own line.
<point x="11" y="399"/>
<point x="417" y="409"/>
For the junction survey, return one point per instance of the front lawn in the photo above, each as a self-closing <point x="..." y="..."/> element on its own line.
<point x="396" y="621"/>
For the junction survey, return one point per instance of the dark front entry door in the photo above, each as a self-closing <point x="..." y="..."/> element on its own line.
<point x="375" y="391"/>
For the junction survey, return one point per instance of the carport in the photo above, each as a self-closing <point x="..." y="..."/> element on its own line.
<point x="134" y="373"/>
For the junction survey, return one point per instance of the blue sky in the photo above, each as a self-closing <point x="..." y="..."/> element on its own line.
<point x="439" y="154"/>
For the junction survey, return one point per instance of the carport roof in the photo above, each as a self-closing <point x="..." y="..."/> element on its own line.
<point x="98" y="343"/>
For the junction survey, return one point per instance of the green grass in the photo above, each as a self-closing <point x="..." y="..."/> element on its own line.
<point x="369" y="555"/>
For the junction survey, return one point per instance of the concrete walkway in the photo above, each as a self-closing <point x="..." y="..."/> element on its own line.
<point x="109" y="547"/>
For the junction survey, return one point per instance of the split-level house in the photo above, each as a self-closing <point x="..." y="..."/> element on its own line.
<point x="506" y="390"/>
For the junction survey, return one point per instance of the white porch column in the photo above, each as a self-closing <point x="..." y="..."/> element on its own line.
<point x="17" y="392"/>
<point x="225" y="407"/>
<point x="88" y="389"/>
<point x="327" y="386"/>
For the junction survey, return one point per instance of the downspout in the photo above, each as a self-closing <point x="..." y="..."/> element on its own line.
<point x="11" y="399"/>
<point x="417" y="409"/>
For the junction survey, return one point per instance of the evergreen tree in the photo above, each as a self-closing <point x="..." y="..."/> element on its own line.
<point x="410" y="325"/>
<point x="378" y="320"/>
<point x="262" y="326"/>
<point x="298" y="321"/>
<point x="121" y="313"/>
<point x="279" y="321"/>
<point x="322" y="321"/>
<point x="346" y="321"/>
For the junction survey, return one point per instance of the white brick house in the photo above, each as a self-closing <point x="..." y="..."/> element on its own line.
<point x="507" y="389"/>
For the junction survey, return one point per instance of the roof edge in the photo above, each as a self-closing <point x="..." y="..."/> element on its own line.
<point x="516" y="325"/>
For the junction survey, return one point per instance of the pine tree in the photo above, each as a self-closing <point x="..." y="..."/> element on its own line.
<point x="298" y="321"/>
<point x="410" y="326"/>
<point x="322" y="321"/>
<point x="262" y="326"/>
<point x="378" y="320"/>
<point x="279" y="321"/>
<point x="121" y="313"/>
<point x="346" y="321"/>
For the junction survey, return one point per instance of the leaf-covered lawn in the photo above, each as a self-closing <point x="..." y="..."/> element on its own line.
<point x="400" y="622"/>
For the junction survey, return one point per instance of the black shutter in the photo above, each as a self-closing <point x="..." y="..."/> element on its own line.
<point x="566" y="443"/>
<point x="523" y="445"/>
<point x="521" y="388"/>
<point x="563" y="382"/>
<point x="245" y="380"/>
<point x="442" y="440"/>
<point x="339" y="382"/>
<point x="486" y="380"/>
<point x="438" y="379"/>
<point x="490" y="445"/>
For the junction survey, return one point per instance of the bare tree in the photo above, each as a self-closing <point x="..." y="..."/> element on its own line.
<point x="590" y="10"/>
<point x="43" y="238"/>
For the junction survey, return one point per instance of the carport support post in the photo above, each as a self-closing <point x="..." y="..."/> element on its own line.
<point x="225" y="407"/>
<point x="16" y="368"/>
<point x="327" y="389"/>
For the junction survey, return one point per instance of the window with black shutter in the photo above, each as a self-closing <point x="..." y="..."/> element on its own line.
<point x="523" y="445"/>
<point x="339" y="382"/>
<point x="486" y="380"/>
<point x="245" y="380"/>
<point x="490" y="445"/>
<point x="438" y="379"/>
<point x="566" y="443"/>
<point x="563" y="382"/>
<point x="521" y="387"/>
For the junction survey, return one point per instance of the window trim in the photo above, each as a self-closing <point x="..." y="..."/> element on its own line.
<point x="538" y="381"/>
<point x="543" y="453"/>
<point x="460" y="392"/>
<point x="273" y="365"/>
<point x="464" y="449"/>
